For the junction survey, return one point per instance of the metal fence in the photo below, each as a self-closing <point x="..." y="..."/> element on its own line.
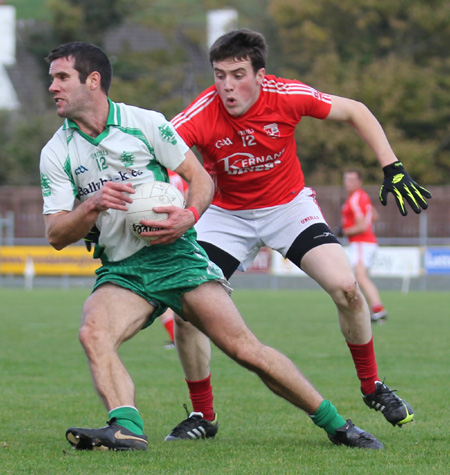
<point x="21" y="220"/>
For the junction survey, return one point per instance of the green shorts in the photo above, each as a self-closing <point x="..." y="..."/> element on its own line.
<point x="161" y="274"/>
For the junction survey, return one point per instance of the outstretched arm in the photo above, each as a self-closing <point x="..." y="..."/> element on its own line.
<point x="396" y="180"/>
<point x="366" y="126"/>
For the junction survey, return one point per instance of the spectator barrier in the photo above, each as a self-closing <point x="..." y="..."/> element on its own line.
<point x="405" y="262"/>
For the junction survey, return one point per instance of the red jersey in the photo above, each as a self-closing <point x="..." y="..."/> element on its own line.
<point x="252" y="158"/>
<point x="358" y="204"/>
<point x="178" y="182"/>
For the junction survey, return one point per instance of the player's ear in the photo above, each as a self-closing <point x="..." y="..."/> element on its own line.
<point x="93" y="80"/>
<point x="260" y="76"/>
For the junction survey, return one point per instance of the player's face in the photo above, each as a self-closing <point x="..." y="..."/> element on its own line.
<point x="69" y="94"/>
<point x="351" y="181"/>
<point x="237" y="84"/>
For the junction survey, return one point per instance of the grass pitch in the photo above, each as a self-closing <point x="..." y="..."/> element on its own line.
<point x="46" y="387"/>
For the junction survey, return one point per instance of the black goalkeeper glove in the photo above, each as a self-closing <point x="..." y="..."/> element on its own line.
<point x="403" y="187"/>
<point x="91" y="237"/>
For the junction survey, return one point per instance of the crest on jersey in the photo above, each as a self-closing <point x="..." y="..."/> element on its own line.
<point x="167" y="134"/>
<point x="272" y="130"/>
<point x="127" y="158"/>
<point x="45" y="185"/>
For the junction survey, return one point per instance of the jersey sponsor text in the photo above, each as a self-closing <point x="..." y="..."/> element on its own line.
<point x="239" y="163"/>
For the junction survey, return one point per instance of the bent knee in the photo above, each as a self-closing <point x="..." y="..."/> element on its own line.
<point x="348" y="296"/>
<point x="90" y="337"/>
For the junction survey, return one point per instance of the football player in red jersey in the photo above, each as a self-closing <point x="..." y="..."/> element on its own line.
<point x="244" y="126"/>
<point x="358" y="216"/>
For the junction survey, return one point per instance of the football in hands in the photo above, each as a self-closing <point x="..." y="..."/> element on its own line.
<point x="147" y="197"/>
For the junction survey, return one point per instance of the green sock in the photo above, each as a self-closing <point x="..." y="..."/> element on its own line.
<point x="328" y="418"/>
<point x="129" y="418"/>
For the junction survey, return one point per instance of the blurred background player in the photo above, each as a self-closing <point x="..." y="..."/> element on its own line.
<point x="357" y="218"/>
<point x="167" y="318"/>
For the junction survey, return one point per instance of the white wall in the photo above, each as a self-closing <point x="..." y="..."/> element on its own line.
<point x="8" y="97"/>
<point x="7" y="35"/>
<point x="220" y="22"/>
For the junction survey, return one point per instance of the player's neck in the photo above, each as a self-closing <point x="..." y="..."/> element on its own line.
<point x="93" y="123"/>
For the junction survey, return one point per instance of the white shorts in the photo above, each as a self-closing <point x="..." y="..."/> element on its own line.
<point x="362" y="253"/>
<point x="242" y="233"/>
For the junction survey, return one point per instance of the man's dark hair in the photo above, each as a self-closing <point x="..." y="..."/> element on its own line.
<point x="240" y="45"/>
<point x="87" y="59"/>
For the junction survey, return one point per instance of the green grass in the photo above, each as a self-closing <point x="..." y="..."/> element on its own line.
<point x="46" y="387"/>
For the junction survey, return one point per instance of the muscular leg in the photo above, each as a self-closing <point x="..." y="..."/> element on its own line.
<point x="329" y="267"/>
<point x="111" y="315"/>
<point x="212" y="311"/>
<point x="194" y="350"/>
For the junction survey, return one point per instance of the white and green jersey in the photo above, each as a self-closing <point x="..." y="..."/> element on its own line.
<point x="137" y="146"/>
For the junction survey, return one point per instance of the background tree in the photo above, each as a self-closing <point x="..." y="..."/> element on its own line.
<point x="87" y="20"/>
<point x="391" y="56"/>
<point x="22" y="140"/>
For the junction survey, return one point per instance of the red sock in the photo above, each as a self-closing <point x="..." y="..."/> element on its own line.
<point x="202" y="397"/>
<point x="377" y="308"/>
<point x="168" y="325"/>
<point x="365" y="364"/>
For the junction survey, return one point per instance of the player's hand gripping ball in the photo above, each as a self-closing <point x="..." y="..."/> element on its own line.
<point x="147" y="197"/>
